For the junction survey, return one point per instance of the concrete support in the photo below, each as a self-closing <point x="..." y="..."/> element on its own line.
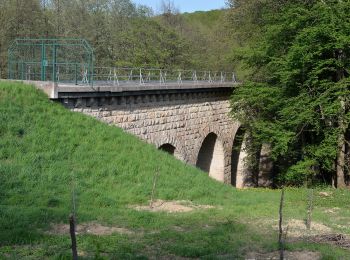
<point x="243" y="172"/>
<point x="211" y="158"/>
<point x="265" y="166"/>
<point x="217" y="166"/>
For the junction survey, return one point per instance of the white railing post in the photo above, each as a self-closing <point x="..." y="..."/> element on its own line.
<point x="115" y="77"/>
<point x="223" y="78"/>
<point x="179" y="78"/>
<point x="233" y="77"/>
<point x="141" y="78"/>
<point x="130" y="76"/>
<point x="160" y="77"/>
<point x="194" y="76"/>
<point x="109" y="78"/>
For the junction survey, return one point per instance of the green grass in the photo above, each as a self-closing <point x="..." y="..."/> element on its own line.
<point x="46" y="150"/>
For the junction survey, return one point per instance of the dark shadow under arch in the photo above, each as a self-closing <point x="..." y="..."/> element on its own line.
<point x="168" y="148"/>
<point x="236" y="151"/>
<point x="211" y="157"/>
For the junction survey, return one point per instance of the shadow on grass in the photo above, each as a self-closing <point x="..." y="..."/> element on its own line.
<point x="229" y="238"/>
<point x="21" y="225"/>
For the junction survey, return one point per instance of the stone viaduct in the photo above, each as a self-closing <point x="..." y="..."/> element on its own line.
<point x="192" y="123"/>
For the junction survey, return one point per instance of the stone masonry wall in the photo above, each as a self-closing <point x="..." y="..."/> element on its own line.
<point x="183" y="120"/>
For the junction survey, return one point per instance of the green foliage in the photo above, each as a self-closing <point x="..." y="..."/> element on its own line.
<point x="121" y="33"/>
<point x="300" y="62"/>
<point x="157" y="46"/>
<point x="208" y="35"/>
<point x="300" y="173"/>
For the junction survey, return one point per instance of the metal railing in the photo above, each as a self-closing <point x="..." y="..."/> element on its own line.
<point x="112" y="76"/>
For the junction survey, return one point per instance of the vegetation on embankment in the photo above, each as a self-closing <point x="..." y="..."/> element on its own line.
<point x="48" y="153"/>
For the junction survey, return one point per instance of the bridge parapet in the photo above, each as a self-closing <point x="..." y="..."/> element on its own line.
<point x="153" y="76"/>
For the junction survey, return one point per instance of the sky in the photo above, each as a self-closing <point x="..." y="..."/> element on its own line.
<point x="185" y="5"/>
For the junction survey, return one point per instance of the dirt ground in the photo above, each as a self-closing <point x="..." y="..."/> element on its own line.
<point x="289" y="255"/>
<point x="93" y="228"/>
<point x="297" y="228"/>
<point x="171" y="206"/>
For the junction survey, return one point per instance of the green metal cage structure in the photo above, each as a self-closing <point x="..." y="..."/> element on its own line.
<point x="58" y="60"/>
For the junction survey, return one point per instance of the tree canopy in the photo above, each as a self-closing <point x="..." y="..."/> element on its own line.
<point x="121" y="33"/>
<point x="296" y="95"/>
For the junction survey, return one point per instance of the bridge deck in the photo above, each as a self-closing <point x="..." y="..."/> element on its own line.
<point x="100" y="88"/>
<point x="132" y="86"/>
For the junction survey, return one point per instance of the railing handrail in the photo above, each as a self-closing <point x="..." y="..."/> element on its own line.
<point x="116" y="76"/>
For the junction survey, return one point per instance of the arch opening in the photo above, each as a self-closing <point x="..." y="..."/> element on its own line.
<point x="237" y="157"/>
<point x="211" y="158"/>
<point x="168" y="148"/>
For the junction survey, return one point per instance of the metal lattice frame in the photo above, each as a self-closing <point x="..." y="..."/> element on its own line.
<point x="58" y="60"/>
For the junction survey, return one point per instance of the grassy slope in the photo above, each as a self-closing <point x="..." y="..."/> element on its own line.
<point x="45" y="150"/>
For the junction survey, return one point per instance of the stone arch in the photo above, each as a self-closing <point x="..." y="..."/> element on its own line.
<point x="211" y="157"/>
<point x="168" y="148"/>
<point x="215" y="129"/>
<point x="170" y="145"/>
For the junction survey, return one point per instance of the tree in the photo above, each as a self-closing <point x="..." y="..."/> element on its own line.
<point x="120" y="32"/>
<point x="297" y="97"/>
<point x="169" y="13"/>
<point x="168" y="7"/>
<point x="18" y="18"/>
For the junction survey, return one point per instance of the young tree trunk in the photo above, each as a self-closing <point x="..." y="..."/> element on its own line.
<point x="73" y="237"/>
<point x="340" y="165"/>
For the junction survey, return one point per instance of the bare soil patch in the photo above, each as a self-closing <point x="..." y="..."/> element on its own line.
<point x="171" y="206"/>
<point x="332" y="239"/>
<point x="289" y="255"/>
<point x="325" y="194"/>
<point x="296" y="228"/>
<point x="297" y="231"/>
<point x="93" y="228"/>
<point x="331" y="210"/>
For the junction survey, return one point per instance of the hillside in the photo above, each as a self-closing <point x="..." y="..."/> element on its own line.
<point x="49" y="155"/>
<point x="208" y="37"/>
<point x="210" y="19"/>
